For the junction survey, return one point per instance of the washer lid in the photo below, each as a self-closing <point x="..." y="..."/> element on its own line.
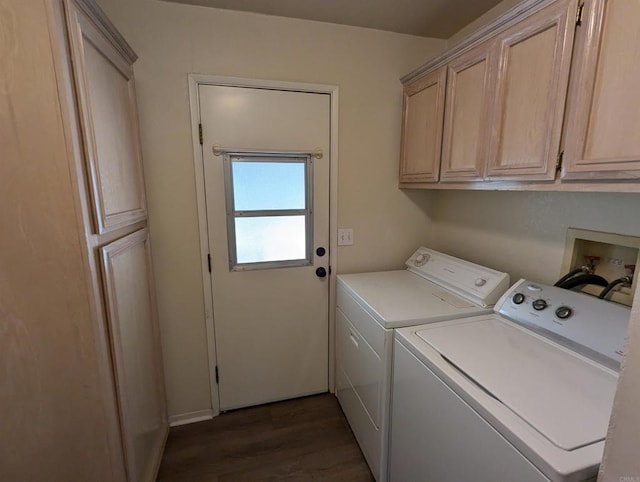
<point x="562" y="395"/>
<point x="401" y="298"/>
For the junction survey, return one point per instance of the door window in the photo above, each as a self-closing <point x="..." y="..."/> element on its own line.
<point x="269" y="215"/>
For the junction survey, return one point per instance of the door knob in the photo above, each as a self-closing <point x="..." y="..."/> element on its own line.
<point x="321" y="272"/>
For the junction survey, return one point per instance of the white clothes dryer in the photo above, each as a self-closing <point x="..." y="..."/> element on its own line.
<point x="434" y="287"/>
<point x="522" y="394"/>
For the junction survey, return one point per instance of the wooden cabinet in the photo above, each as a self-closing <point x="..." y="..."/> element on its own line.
<point x="133" y="330"/>
<point x="79" y="344"/>
<point x="534" y="59"/>
<point x="505" y="97"/>
<point x="603" y="120"/>
<point x="465" y="139"/>
<point x="114" y="222"/>
<point x="112" y="193"/>
<point x="103" y="70"/>
<point x="423" y="110"/>
<point x="550" y="85"/>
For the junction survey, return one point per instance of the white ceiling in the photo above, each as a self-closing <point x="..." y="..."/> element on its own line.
<point x="428" y="18"/>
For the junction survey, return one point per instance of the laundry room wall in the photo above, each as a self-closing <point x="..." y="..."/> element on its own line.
<point x="621" y="461"/>
<point x="173" y="40"/>
<point x="523" y="233"/>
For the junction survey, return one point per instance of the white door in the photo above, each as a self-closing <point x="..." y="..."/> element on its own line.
<point x="268" y="227"/>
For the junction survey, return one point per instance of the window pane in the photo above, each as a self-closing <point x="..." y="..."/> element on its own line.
<point x="259" y="186"/>
<point x="270" y="238"/>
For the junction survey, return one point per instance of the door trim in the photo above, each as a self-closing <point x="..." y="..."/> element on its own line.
<point x="195" y="80"/>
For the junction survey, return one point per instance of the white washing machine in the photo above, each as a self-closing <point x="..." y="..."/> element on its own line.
<point x="434" y="287"/>
<point x="523" y="394"/>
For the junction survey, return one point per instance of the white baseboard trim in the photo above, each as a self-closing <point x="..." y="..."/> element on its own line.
<point x="190" y="417"/>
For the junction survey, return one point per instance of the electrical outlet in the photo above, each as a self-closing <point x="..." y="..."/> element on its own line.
<point x="345" y="237"/>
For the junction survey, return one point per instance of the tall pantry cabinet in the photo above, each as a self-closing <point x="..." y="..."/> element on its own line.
<point x="81" y="388"/>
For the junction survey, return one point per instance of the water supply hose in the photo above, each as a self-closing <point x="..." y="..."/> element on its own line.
<point x="571" y="274"/>
<point x="584" y="279"/>
<point x="624" y="280"/>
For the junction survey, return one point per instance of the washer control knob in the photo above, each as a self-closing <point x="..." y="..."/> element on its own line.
<point x="539" y="304"/>
<point x="480" y="281"/>
<point x="518" y="298"/>
<point x="564" y="312"/>
<point x="422" y="259"/>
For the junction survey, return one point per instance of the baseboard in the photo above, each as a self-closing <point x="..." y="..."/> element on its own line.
<point x="190" y="417"/>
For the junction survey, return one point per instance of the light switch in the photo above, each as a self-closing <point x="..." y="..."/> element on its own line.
<point x="345" y="237"/>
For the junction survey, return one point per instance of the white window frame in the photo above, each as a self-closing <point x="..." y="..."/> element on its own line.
<point x="233" y="213"/>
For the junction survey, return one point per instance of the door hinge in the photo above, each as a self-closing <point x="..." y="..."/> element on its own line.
<point x="200" y="133"/>
<point x="209" y="262"/>
<point x="559" y="161"/>
<point x="217" y="376"/>
<point x="579" y="14"/>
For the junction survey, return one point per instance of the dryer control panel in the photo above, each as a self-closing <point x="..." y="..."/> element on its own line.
<point x="593" y="327"/>
<point x="481" y="285"/>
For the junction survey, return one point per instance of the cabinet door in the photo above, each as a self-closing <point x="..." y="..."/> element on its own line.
<point x="423" y="112"/>
<point x="532" y="79"/>
<point x="603" y="126"/>
<point x="105" y="89"/>
<point x="466" y="116"/>
<point x="135" y="346"/>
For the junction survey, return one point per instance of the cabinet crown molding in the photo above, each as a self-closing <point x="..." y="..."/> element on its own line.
<point x="504" y="21"/>
<point x="106" y="27"/>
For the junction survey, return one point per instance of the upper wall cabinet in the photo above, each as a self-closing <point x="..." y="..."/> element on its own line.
<point x="551" y="85"/>
<point x="423" y="109"/>
<point x="534" y="62"/>
<point x="467" y="114"/>
<point x="105" y="88"/>
<point x="603" y="122"/>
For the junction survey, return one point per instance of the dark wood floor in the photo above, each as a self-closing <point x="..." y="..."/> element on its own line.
<point x="297" y="440"/>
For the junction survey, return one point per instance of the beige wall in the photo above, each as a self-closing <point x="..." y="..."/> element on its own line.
<point x="523" y="233"/>
<point x="174" y="40"/>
